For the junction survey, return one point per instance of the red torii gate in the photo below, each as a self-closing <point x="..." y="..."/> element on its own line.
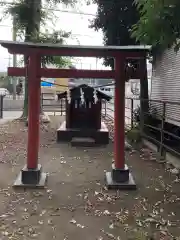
<point x="31" y="174"/>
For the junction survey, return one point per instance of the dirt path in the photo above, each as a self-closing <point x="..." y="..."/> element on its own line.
<point x="76" y="204"/>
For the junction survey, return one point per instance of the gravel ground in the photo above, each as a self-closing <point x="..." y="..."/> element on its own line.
<point x="76" y="204"/>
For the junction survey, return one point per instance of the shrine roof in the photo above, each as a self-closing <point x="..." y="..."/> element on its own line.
<point x="100" y="94"/>
<point x="51" y="45"/>
<point x="19" y="47"/>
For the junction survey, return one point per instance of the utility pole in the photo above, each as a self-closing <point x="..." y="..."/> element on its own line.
<point x="9" y="61"/>
<point x="14" y="56"/>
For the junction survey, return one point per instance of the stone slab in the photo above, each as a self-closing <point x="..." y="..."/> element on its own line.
<point x="111" y="184"/>
<point x="83" y="142"/>
<point x="41" y="184"/>
<point x="100" y="136"/>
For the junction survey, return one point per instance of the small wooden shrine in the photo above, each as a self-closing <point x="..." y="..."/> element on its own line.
<point x="83" y="114"/>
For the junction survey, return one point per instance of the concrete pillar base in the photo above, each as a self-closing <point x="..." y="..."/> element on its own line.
<point x="31" y="178"/>
<point x="120" y="179"/>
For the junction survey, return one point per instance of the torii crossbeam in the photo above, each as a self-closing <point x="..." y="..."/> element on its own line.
<point x="31" y="174"/>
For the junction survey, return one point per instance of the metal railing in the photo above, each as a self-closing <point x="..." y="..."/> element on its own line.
<point x="1" y="106"/>
<point x="50" y="103"/>
<point x="160" y="123"/>
<point x="10" y="96"/>
<point x="130" y="106"/>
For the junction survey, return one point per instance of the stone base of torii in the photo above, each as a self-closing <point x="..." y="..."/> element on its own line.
<point x="31" y="175"/>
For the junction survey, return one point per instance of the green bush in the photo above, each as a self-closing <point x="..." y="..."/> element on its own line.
<point x="134" y="135"/>
<point x="5" y="83"/>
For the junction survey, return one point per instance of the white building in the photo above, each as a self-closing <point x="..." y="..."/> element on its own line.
<point x="166" y="84"/>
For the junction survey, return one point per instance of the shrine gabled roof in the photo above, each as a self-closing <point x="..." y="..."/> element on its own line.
<point x="21" y="47"/>
<point x="100" y="95"/>
<point x="81" y="86"/>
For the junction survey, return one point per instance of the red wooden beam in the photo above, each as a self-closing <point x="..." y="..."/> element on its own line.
<point x="74" y="73"/>
<point x="65" y="73"/>
<point x="16" y="72"/>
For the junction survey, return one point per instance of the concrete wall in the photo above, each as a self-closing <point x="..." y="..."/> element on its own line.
<point x="10" y="104"/>
<point x="17" y="105"/>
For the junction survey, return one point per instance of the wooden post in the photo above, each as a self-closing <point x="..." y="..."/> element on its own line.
<point x="119" y="115"/>
<point x="120" y="177"/>
<point x="34" y="90"/>
<point x="31" y="175"/>
<point x="1" y="105"/>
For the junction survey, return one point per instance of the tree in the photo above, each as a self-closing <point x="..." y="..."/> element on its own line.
<point x="159" y="24"/>
<point x="19" y="88"/>
<point x="29" y="15"/>
<point x="5" y="82"/>
<point x="115" y="18"/>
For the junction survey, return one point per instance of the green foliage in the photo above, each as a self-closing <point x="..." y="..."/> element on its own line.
<point x="57" y="37"/>
<point x="115" y="18"/>
<point x="57" y="61"/>
<point x="159" y="23"/>
<point x="136" y="115"/>
<point x="19" y="88"/>
<point x="28" y="17"/>
<point x="65" y="2"/>
<point x="134" y="135"/>
<point x="5" y="82"/>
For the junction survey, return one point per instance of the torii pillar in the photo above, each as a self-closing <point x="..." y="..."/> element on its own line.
<point x="31" y="175"/>
<point x="120" y="176"/>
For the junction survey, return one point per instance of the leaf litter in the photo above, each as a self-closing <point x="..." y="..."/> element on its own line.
<point x="146" y="216"/>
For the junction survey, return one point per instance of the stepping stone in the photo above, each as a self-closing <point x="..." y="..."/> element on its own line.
<point x="83" y="142"/>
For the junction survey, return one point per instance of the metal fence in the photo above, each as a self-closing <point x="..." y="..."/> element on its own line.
<point x="50" y="103"/>
<point x="10" y="104"/>
<point x="130" y="107"/>
<point x="10" y="96"/>
<point x="160" y="124"/>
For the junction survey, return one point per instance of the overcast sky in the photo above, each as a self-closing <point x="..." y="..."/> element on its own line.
<point x="74" y="23"/>
<point x="78" y="25"/>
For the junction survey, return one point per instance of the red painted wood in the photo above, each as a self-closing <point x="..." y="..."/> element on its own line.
<point x="16" y="72"/>
<point x="119" y="115"/>
<point x="65" y="73"/>
<point x="71" y="73"/>
<point x="33" y="112"/>
<point x="75" y="73"/>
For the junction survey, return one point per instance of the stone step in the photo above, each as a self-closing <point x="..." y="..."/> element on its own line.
<point x="83" y="142"/>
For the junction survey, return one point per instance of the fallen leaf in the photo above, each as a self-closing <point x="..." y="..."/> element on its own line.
<point x="80" y="226"/>
<point x="111" y="226"/>
<point x="73" y="221"/>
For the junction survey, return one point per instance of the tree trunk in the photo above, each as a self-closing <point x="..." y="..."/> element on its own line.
<point x="31" y="34"/>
